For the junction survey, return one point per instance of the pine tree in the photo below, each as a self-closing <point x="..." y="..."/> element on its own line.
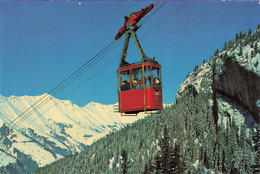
<point x="225" y="47"/>
<point x="230" y="44"/>
<point x="237" y="38"/>
<point x="124" y="162"/>
<point x="178" y="161"/>
<point x="216" y="52"/>
<point x="230" y="147"/>
<point x="196" y="68"/>
<point x="158" y="162"/>
<point x="256" y="48"/>
<point x="222" y="148"/>
<point x="209" y="149"/>
<point x="242" y="35"/>
<point x="165" y="148"/>
<point x="243" y="156"/>
<point x="169" y="160"/>
<point x="150" y="167"/>
<point x="200" y="168"/>
<point x="256" y="139"/>
<point x="252" y="54"/>
<point x="249" y="32"/>
<point x="240" y="51"/>
<point x="146" y="169"/>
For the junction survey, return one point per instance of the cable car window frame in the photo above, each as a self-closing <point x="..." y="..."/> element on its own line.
<point x="147" y="76"/>
<point x="137" y="81"/>
<point x="124" y="87"/>
<point x="157" y="74"/>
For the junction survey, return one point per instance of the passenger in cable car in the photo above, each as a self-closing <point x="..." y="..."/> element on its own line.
<point x="134" y="82"/>
<point x="139" y="84"/>
<point x="124" y="81"/>
<point x="137" y="76"/>
<point x="147" y="81"/>
<point x="125" y="86"/>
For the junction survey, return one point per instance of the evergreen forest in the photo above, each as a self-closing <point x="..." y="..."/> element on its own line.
<point x="183" y="139"/>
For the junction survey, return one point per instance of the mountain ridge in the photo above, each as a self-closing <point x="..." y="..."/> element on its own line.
<point x="51" y="132"/>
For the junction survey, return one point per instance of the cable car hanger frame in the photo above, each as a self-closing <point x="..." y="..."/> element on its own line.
<point x="145" y="98"/>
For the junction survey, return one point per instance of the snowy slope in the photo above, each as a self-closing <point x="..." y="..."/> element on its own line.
<point x="233" y="75"/>
<point x="5" y="159"/>
<point x="55" y="130"/>
<point x="201" y="79"/>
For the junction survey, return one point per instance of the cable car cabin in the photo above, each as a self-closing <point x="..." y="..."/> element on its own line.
<point x="140" y="88"/>
<point x="139" y="84"/>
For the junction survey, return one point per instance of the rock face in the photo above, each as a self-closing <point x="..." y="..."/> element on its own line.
<point x="234" y="73"/>
<point x="241" y="85"/>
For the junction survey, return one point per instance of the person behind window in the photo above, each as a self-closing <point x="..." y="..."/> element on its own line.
<point x="148" y="81"/>
<point x="134" y="82"/>
<point x="125" y="85"/>
<point x="139" y="84"/>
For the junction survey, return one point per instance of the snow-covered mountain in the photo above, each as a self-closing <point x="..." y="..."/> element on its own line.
<point x="56" y="129"/>
<point x="233" y="77"/>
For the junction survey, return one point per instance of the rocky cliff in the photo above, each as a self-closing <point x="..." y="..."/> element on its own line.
<point x="240" y="85"/>
<point x="233" y="73"/>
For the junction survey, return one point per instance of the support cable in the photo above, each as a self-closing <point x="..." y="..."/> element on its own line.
<point x="83" y="69"/>
<point x="118" y="43"/>
<point x="151" y="14"/>
<point x="64" y="82"/>
<point x="105" y="66"/>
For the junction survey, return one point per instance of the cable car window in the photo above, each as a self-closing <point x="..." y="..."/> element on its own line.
<point x="137" y="78"/>
<point x="156" y="78"/>
<point x="124" y="80"/>
<point x="156" y="72"/>
<point x="147" y="76"/>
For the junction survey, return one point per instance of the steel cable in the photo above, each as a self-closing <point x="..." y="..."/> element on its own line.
<point x="64" y="82"/>
<point x="83" y="69"/>
<point x="82" y="72"/>
<point x="151" y="14"/>
<point x="118" y="55"/>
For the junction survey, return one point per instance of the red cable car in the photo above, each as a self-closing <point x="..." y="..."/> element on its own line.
<point x="139" y="84"/>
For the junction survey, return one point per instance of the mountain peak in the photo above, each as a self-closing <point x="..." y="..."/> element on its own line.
<point x="93" y="104"/>
<point x="55" y="129"/>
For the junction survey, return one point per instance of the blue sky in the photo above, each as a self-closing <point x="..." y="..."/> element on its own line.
<point x="42" y="43"/>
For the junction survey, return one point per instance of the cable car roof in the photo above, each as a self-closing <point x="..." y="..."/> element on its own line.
<point x="139" y="64"/>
